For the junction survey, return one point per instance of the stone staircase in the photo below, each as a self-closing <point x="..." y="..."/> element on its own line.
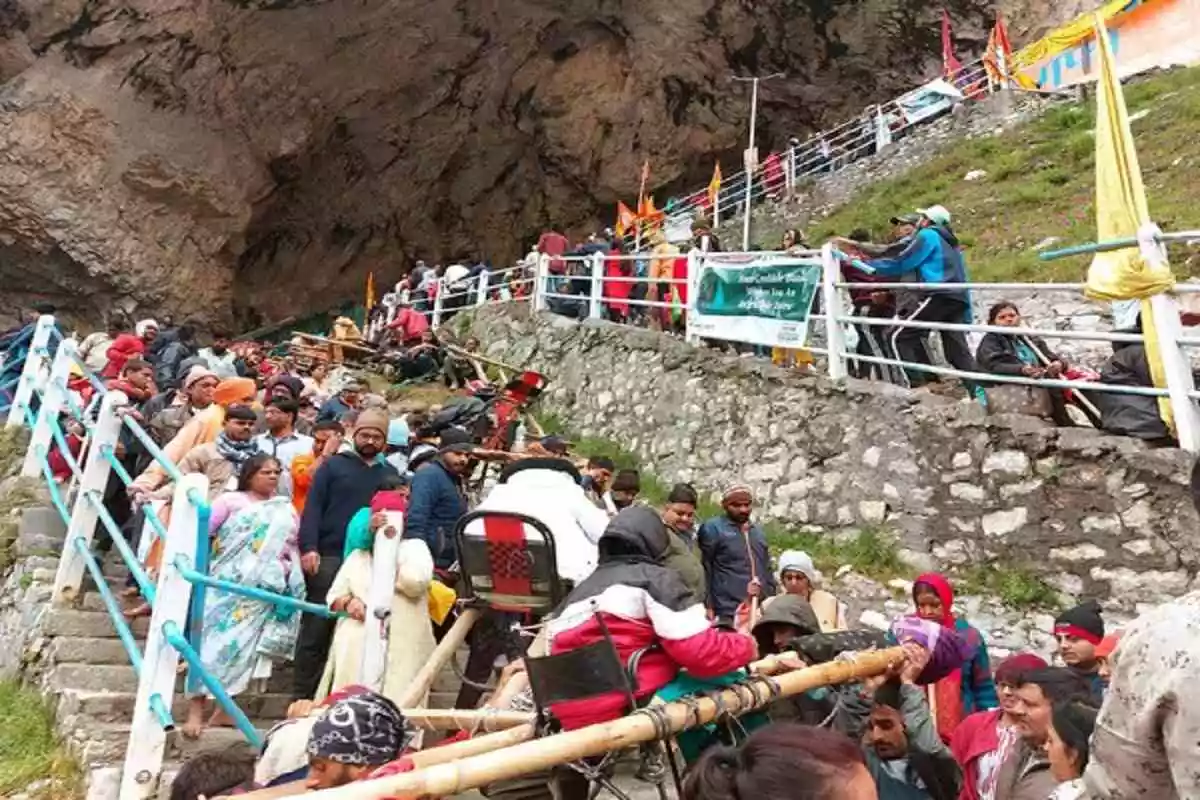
<point x="77" y="660"/>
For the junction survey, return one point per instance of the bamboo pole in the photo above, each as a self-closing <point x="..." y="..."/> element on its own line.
<point x="441" y="655"/>
<point x="462" y="719"/>
<point x="422" y="759"/>
<point x="473" y="772"/>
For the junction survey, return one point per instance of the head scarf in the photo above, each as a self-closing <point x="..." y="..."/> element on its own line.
<point x="232" y="391"/>
<point x="941" y="587"/>
<point x="143" y="326"/>
<point x="365" y="730"/>
<point x="798" y="561"/>
<point x="1083" y="622"/>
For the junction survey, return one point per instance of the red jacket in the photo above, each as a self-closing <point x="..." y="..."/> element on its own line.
<point x="642" y="603"/>
<point x="617" y="290"/>
<point x="123" y="348"/>
<point x="975" y="736"/>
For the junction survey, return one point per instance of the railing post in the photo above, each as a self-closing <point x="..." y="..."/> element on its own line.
<point x="481" y="291"/>
<point x="33" y="374"/>
<point x="439" y="300"/>
<point x="694" y="263"/>
<point x="1178" y="371"/>
<point x="147" y="739"/>
<point x="541" y="273"/>
<point x="53" y="402"/>
<point x="834" y="340"/>
<point x="95" y="475"/>
<point x="595" y="306"/>
<point x="373" y="667"/>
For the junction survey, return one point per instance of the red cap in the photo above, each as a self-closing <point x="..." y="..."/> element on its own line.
<point x="1107" y="645"/>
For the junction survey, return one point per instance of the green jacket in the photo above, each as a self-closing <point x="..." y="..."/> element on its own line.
<point x="683" y="558"/>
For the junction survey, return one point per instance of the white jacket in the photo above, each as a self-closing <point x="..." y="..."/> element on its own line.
<point x="552" y="497"/>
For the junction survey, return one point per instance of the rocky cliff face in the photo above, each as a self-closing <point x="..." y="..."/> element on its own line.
<point x="256" y="158"/>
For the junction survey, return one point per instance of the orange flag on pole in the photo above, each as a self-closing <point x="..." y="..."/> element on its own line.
<point x="370" y="300"/>
<point x="626" y="219"/>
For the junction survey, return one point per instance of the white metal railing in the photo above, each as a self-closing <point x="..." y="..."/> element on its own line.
<point x="177" y="594"/>
<point x="839" y="319"/>
<point x="511" y="284"/>
<point x="826" y="151"/>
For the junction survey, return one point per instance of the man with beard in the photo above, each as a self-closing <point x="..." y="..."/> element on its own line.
<point x="352" y="738"/>
<point x="438" y="500"/>
<point x="219" y="357"/>
<point x="344" y="483"/>
<point x="734" y="551"/>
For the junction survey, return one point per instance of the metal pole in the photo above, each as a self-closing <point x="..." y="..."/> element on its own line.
<point x="748" y="165"/>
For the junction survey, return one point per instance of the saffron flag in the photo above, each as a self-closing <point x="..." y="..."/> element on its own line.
<point x="714" y="186"/>
<point x="950" y="65"/>
<point x="370" y="301"/>
<point x="626" y="219"/>
<point x="997" y="59"/>
<point x="1131" y="273"/>
<point x="647" y="212"/>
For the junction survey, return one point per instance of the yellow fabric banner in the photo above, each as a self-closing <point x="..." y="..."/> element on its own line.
<point x="1069" y="35"/>
<point x="1121" y="209"/>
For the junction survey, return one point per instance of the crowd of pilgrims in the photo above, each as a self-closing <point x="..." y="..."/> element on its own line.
<point x="298" y="498"/>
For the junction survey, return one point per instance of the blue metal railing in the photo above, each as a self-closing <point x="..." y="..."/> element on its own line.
<point x="144" y="584"/>
<point x="189" y="654"/>
<point x="187" y="643"/>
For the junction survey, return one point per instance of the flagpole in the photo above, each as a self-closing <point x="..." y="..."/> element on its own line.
<point x="637" y="223"/>
<point x="750" y="152"/>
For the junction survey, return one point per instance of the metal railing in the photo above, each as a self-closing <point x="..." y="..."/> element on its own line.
<point x="589" y="300"/>
<point x="177" y="594"/>
<point x="827" y="151"/>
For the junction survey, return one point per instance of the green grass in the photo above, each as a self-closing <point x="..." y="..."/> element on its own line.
<point x="13" y="443"/>
<point x="1041" y="184"/>
<point x="1016" y="586"/>
<point x="29" y="750"/>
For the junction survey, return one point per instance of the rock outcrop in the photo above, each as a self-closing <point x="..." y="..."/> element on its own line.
<point x="255" y="158"/>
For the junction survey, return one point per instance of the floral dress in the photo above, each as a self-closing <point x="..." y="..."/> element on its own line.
<point x="256" y="545"/>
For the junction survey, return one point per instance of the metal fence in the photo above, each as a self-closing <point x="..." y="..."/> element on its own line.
<point x="582" y="293"/>
<point x="827" y="151"/>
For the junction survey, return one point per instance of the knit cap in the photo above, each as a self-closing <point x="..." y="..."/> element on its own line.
<point x="1083" y="621"/>
<point x="372" y="419"/>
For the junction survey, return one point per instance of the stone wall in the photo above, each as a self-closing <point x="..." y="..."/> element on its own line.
<point x="1094" y="515"/>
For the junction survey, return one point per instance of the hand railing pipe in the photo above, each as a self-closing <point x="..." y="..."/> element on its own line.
<point x="31" y="372"/>
<point x="109" y="454"/>
<point x="159" y="707"/>
<point x="176" y="639"/>
<point x="145" y="585"/>
<point x="52" y="404"/>
<point x="254" y="593"/>
<point x="1109" y="245"/>
<point x="115" y="613"/>
<point x="975" y="287"/>
<point x="56" y="500"/>
<point x="153" y="449"/>
<point x="987" y="377"/>
<point x="1089" y="336"/>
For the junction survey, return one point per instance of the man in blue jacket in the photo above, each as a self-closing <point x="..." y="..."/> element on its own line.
<point x="437" y="499"/>
<point x="933" y="253"/>
<point x="737" y="565"/>
<point x="345" y="483"/>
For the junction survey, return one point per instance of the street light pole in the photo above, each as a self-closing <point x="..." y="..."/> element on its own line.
<point x="749" y="156"/>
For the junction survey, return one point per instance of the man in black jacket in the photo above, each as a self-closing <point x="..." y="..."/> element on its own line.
<point x="343" y="485"/>
<point x="170" y="358"/>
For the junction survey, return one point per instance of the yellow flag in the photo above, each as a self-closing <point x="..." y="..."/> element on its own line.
<point x="1121" y="209"/>
<point x="1073" y="33"/>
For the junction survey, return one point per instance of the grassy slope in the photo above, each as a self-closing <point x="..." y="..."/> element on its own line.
<point x="1041" y="183"/>
<point x="29" y="751"/>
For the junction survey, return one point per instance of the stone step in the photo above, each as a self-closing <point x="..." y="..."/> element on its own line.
<point x="105" y="743"/>
<point x="41" y="527"/>
<point x="93" y="624"/>
<point x="86" y="650"/>
<point x="117" y="707"/>
<point x="121" y="678"/>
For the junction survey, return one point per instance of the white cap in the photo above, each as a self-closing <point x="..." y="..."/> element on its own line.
<point x="798" y="561"/>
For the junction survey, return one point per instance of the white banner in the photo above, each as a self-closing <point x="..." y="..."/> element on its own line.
<point x="763" y="300"/>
